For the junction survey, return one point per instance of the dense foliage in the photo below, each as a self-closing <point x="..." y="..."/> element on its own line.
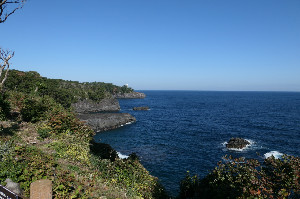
<point x="4" y="107"/>
<point x="239" y="178"/>
<point x="64" y="92"/>
<point x="44" y="140"/>
<point x="41" y="138"/>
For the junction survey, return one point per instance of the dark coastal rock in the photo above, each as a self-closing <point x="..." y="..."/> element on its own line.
<point x="237" y="143"/>
<point x="106" y="121"/>
<point x="104" y="151"/>
<point x="132" y="95"/>
<point x="88" y="106"/>
<point x="142" y="108"/>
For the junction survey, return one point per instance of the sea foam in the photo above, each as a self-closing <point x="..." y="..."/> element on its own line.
<point x="121" y="156"/>
<point x="276" y="154"/>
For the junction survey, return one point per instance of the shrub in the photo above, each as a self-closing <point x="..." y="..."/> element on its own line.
<point x="28" y="164"/>
<point x="237" y="178"/>
<point x="35" y="108"/>
<point x="133" y="177"/>
<point x="61" y="120"/>
<point x="43" y="132"/>
<point x="4" y="107"/>
<point x="5" y="150"/>
<point x="16" y="100"/>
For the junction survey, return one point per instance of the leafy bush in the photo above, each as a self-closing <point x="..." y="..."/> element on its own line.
<point x="61" y="120"/>
<point x="28" y="164"/>
<point x="237" y="178"/>
<point x="5" y="150"/>
<point x="132" y="176"/>
<point x="4" y="107"/>
<point x="16" y="100"/>
<point x="43" y="132"/>
<point x="35" y="108"/>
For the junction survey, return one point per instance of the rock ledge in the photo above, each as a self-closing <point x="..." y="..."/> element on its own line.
<point x="106" y="121"/>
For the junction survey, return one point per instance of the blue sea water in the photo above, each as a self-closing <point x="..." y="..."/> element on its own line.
<point x="187" y="130"/>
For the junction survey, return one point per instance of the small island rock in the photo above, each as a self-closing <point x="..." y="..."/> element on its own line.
<point x="142" y="108"/>
<point x="237" y="143"/>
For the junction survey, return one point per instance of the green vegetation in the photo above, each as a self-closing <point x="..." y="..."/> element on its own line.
<point x="239" y="178"/>
<point x="41" y="138"/>
<point x="64" y="92"/>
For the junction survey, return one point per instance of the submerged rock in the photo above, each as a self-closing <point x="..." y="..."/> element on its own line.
<point x="132" y="95"/>
<point x="89" y="106"/>
<point x="106" y="121"/>
<point x="237" y="143"/>
<point x="142" y="108"/>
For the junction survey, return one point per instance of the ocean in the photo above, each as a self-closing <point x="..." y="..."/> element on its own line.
<point x="187" y="130"/>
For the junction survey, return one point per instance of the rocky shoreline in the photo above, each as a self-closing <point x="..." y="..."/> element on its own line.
<point x="132" y="95"/>
<point x="106" y="121"/>
<point x="88" y="106"/>
<point x="105" y="115"/>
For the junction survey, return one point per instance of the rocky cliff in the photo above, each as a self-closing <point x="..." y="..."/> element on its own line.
<point x="106" y="121"/>
<point x="88" y="106"/>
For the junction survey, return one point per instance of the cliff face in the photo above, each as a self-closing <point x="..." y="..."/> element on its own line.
<point x="87" y="111"/>
<point x="88" y="106"/>
<point x="106" y="121"/>
<point x="132" y="95"/>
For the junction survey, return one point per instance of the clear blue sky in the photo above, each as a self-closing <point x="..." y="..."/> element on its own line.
<point x="160" y="44"/>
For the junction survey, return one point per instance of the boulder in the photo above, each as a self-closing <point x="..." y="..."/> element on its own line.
<point x="13" y="186"/>
<point x="132" y="95"/>
<point x="106" y="121"/>
<point x="89" y="106"/>
<point x="142" y="108"/>
<point x="237" y="143"/>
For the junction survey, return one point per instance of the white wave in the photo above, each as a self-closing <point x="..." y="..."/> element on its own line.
<point x="240" y="150"/>
<point x="121" y="156"/>
<point x="276" y="154"/>
<point x="126" y="124"/>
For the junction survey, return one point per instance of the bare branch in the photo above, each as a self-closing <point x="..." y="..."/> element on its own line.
<point x="5" y="56"/>
<point x="3" y="7"/>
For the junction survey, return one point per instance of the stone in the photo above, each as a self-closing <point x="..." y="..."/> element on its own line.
<point x="13" y="186"/>
<point x="237" y="143"/>
<point x="41" y="189"/>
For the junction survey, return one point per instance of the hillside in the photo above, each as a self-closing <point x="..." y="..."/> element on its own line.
<point x="41" y="138"/>
<point x="63" y="91"/>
